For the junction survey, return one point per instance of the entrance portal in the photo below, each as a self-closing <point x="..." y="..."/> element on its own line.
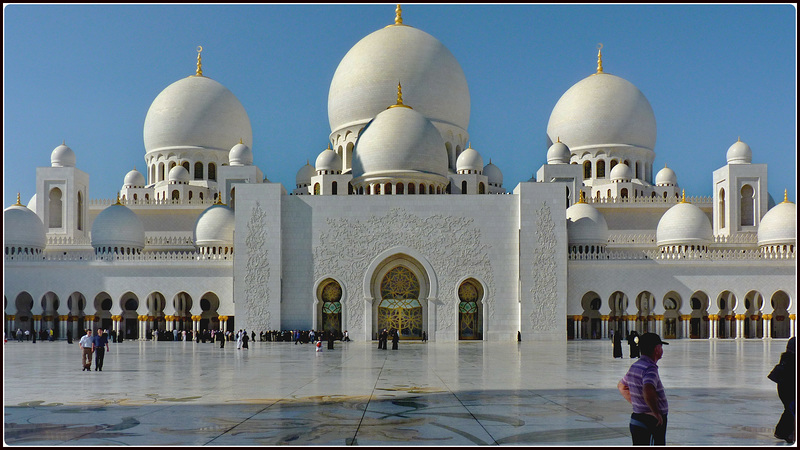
<point x="400" y="307"/>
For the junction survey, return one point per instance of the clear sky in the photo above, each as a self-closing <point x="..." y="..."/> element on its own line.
<point x="87" y="75"/>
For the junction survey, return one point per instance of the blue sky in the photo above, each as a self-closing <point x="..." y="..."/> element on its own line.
<point x="87" y="74"/>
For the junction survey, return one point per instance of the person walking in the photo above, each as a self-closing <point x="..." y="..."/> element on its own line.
<point x="617" y="340"/>
<point x="633" y="342"/>
<point x="642" y="388"/>
<point x="395" y="339"/>
<point x="346" y="337"/>
<point x="239" y="340"/>
<point x="785" y="374"/>
<point x="99" y="347"/>
<point x="86" y="350"/>
<point x="245" y="339"/>
<point x="221" y="338"/>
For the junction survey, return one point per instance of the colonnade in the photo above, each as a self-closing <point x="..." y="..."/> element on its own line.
<point x="734" y="325"/>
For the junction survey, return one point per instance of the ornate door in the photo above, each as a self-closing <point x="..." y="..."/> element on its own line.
<point x="400" y="307"/>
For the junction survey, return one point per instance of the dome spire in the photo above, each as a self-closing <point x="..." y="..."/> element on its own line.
<point x="398" y="15"/>
<point x="20" y="204"/>
<point x="582" y="197"/>
<point x="400" y="98"/>
<point x="600" y="58"/>
<point x="241" y="141"/>
<point x="118" y="202"/>
<point x="683" y="197"/>
<point x="785" y="197"/>
<point x="219" y="200"/>
<point x="199" y="61"/>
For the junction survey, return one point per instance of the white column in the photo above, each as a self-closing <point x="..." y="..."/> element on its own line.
<point x="792" y="324"/>
<point x="605" y="327"/>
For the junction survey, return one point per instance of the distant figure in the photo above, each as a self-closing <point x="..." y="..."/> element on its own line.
<point x="785" y="374"/>
<point x="99" y="346"/>
<point x="633" y="342"/>
<point x="221" y="338"/>
<point x="395" y="339"/>
<point x="617" y="340"/>
<point x="642" y="388"/>
<point x="346" y="336"/>
<point x="330" y="340"/>
<point x="245" y="338"/>
<point x="85" y="345"/>
<point x="424" y="336"/>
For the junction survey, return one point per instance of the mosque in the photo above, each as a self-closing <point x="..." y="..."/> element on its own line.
<point x="400" y="223"/>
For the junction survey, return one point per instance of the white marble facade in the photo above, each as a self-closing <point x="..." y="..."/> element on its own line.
<point x="597" y="243"/>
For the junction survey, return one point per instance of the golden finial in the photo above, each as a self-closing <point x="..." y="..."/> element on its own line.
<point x="582" y="197"/>
<point x="558" y="139"/>
<point x="241" y="141"/>
<point x="63" y="142"/>
<point x="118" y="202"/>
<point x="219" y="199"/>
<point x="739" y="139"/>
<point x="600" y="58"/>
<point x="683" y="197"/>
<point x="785" y="196"/>
<point x="18" y="203"/>
<point x="199" y="61"/>
<point x="400" y="97"/>
<point x="398" y="15"/>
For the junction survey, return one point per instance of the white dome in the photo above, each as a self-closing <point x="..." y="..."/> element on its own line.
<point x="603" y="111"/>
<point x="32" y="203"/>
<point x="558" y="153"/>
<point x="178" y="174"/>
<point x="399" y="142"/>
<point x="469" y="159"/>
<point x="684" y="224"/>
<point x="215" y="227"/>
<point x="666" y="177"/>
<point x="304" y="175"/>
<point x="62" y="156"/>
<point x="621" y="172"/>
<point x="779" y="225"/>
<point x="586" y="225"/>
<point x="739" y="153"/>
<point x="240" y="155"/>
<point x="118" y="226"/>
<point x="329" y="160"/>
<point x="196" y="113"/>
<point x="23" y="228"/>
<point x="134" y="179"/>
<point x="365" y="80"/>
<point x="493" y="173"/>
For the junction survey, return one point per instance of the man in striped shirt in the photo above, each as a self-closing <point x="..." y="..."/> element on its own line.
<point x="642" y="388"/>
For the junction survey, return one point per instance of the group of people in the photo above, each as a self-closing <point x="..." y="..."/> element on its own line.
<point x="96" y="344"/>
<point x="633" y="343"/>
<point x="642" y="388"/>
<point x="384" y="335"/>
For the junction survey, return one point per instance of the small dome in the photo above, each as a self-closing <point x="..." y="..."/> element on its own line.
<point x="23" y="228"/>
<point x="178" y="174"/>
<point x="493" y="173"/>
<point x="779" y="225"/>
<point x="118" y="226"/>
<point x="621" y="172"/>
<point x="684" y="224"/>
<point x="134" y="179"/>
<point x="62" y="156"/>
<point x="666" y="177"/>
<point x="240" y="155"/>
<point x="400" y="142"/>
<point x="215" y="227"/>
<point x="739" y="153"/>
<point x="32" y="204"/>
<point x="586" y="225"/>
<point x="558" y="153"/>
<point x="304" y="175"/>
<point x="469" y="159"/>
<point x="329" y="160"/>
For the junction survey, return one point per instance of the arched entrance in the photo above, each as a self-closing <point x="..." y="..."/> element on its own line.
<point x="329" y="293"/>
<point x="781" y="325"/>
<point x="470" y="297"/>
<point x="672" y="306"/>
<point x="399" y="300"/>
<point x="592" y="320"/>
<point x="698" y="322"/>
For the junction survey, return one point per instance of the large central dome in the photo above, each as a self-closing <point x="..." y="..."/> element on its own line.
<point x="196" y="112"/>
<point x="603" y="110"/>
<point x="432" y="78"/>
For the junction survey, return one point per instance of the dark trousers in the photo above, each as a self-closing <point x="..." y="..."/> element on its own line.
<point x="644" y="430"/>
<point x="99" y="354"/>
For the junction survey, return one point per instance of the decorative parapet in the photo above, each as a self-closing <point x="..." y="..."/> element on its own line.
<point x="705" y="201"/>
<point x="143" y="257"/>
<point x="711" y="255"/>
<point x="168" y="240"/>
<point x="639" y="238"/>
<point x="103" y="202"/>
<point x="739" y="238"/>
<point x="64" y="240"/>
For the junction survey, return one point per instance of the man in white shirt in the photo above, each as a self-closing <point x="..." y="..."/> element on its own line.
<point x="86" y="350"/>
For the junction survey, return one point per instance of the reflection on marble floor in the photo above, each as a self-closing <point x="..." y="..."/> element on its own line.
<point x="421" y="395"/>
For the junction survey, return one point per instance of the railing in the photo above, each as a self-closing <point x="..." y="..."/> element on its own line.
<point x="102" y="202"/>
<point x="696" y="255"/>
<point x="650" y="200"/>
<point x="142" y="257"/>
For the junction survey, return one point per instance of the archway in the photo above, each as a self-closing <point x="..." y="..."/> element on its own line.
<point x="209" y="317"/>
<point x="672" y="306"/>
<point x="618" y="303"/>
<point x="329" y="297"/>
<point x="470" y="310"/>
<point x="781" y="325"/>
<point x="401" y="292"/>
<point x="698" y="322"/>
<point x="645" y="304"/>
<point x="753" y="323"/>
<point x="24" y="315"/>
<point x="592" y="323"/>
<point x="102" y="315"/>
<point x="726" y="321"/>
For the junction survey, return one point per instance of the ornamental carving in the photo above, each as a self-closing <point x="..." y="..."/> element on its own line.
<point x="544" y="292"/>
<point x="452" y="245"/>
<point x="256" y="280"/>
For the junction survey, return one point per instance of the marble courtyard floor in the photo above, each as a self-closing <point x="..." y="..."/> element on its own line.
<point x="470" y="393"/>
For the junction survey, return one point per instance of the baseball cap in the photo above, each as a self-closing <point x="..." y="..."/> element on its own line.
<point x="649" y="341"/>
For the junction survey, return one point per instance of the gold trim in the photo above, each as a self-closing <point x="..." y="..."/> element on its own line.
<point x="400" y="98"/>
<point x="600" y="58"/>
